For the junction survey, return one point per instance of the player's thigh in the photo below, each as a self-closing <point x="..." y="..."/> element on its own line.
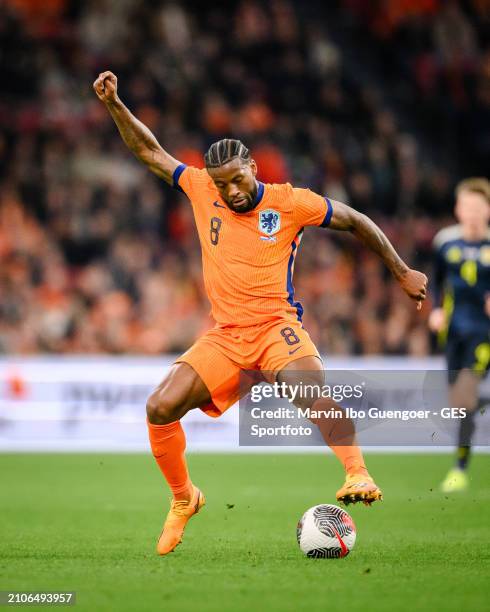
<point x="180" y="391"/>
<point x="214" y="357"/>
<point x="455" y="355"/>
<point x="302" y="369"/>
<point x="307" y="376"/>
<point x="474" y="362"/>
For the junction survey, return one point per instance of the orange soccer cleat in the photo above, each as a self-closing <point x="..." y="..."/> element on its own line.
<point x="180" y="512"/>
<point x="359" y="488"/>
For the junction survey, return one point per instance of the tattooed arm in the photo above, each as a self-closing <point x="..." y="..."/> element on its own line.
<point x="344" y="218"/>
<point x="136" y="135"/>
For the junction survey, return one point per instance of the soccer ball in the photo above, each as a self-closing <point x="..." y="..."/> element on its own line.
<point x="326" y="532"/>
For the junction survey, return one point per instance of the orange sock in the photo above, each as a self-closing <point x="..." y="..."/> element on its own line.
<point x="168" y="447"/>
<point x="340" y="435"/>
<point x="351" y="458"/>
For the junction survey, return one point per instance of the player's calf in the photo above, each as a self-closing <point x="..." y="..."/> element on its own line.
<point x="337" y="430"/>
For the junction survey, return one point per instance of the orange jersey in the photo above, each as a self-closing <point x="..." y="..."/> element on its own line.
<point x="248" y="258"/>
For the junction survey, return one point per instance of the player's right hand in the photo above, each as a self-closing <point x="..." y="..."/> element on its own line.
<point x="105" y="86"/>
<point x="437" y="320"/>
<point x="414" y="283"/>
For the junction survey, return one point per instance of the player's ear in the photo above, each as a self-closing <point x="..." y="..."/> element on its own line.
<point x="457" y="209"/>
<point x="253" y="167"/>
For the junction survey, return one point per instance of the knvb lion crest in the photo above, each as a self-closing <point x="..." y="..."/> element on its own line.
<point x="269" y="222"/>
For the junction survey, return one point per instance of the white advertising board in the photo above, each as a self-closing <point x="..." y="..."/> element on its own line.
<point x="72" y="403"/>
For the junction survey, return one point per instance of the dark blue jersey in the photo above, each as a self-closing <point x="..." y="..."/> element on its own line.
<point x="462" y="280"/>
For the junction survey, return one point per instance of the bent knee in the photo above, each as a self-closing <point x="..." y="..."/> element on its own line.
<point x="162" y="409"/>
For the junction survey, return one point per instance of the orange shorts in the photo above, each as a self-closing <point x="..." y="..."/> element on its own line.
<point x="223" y="352"/>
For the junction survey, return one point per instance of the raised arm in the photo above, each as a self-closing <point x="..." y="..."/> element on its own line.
<point x="344" y="218"/>
<point x="136" y="135"/>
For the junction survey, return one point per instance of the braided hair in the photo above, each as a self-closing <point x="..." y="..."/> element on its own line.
<point x="223" y="151"/>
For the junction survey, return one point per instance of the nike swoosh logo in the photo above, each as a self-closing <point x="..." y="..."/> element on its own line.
<point x="343" y="548"/>
<point x="218" y="205"/>
<point x="296" y="349"/>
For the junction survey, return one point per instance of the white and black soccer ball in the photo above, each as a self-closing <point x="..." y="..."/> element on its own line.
<point x="326" y="532"/>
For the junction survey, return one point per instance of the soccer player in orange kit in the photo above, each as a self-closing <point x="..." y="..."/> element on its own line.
<point x="249" y="234"/>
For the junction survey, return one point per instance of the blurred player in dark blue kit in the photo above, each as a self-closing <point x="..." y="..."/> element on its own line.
<point x="462" y="293"/>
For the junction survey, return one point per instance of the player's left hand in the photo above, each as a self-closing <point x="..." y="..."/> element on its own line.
<point x="414" y="283"/>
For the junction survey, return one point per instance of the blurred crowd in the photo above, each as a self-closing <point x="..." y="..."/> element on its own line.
<point x="382" y="104"/>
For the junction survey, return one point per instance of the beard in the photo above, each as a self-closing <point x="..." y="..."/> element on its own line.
<point x="247" y="203"/>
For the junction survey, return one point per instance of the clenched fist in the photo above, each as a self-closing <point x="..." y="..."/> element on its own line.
<point x="105" y="86"/>
<point x="414" y="284"/>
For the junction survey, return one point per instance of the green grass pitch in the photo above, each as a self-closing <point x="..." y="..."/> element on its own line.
<point x="89" y="523"/>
